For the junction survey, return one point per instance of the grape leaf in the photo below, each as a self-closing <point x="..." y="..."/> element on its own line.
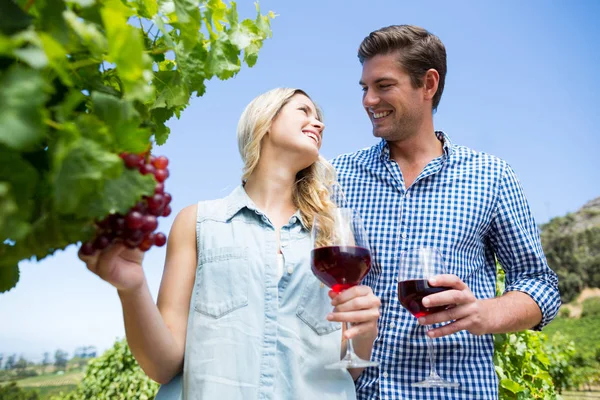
<point x="223" y="58"/>
<point x="126" y="50"/>
<point x="123" y="122"/>
<point x="191" y="65"/>
<point x="171" y="90"/>
<point x="120" y="194"/>
<point x="80" y="167"/>
<point x="188" y="21"/>
<point x="13" y="18"/>
<point x="18" y="181"/>
<point x="22" y="95"/>
<point x="9" y="276"/>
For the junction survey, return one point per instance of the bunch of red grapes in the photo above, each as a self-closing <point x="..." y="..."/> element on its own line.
<point x="136" y="228"/>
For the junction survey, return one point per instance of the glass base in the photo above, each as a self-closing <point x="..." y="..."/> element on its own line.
<point x="434" y="381"/>
<point x="352" y="362"/>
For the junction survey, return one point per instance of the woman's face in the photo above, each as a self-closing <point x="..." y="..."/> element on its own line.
<point x="297" y="130"/>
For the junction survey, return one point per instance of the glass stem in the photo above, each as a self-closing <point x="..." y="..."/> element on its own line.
<point x="432" y="371"/>
<point x="349" y="346"/>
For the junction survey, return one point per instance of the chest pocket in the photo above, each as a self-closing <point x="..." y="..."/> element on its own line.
<point x="222" y="281"/>
<point x="314" y="306"/>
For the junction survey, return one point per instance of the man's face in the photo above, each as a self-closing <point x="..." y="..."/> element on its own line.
<point x="394" y="106"/>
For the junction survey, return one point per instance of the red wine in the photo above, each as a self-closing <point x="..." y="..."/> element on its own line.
<point x="340" y="267"/>
<point x="411" y="295"/>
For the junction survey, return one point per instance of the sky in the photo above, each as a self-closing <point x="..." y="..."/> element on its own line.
<point x="521" y="84"/>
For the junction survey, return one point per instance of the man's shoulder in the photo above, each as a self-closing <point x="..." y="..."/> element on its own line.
<point x="463" y="154"/>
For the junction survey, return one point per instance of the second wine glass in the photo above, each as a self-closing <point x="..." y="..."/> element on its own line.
<point x="340" y="259"/>
<point x="417" y="266"/>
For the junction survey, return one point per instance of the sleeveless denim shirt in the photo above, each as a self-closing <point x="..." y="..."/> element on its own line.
<point x="251" y="335"/>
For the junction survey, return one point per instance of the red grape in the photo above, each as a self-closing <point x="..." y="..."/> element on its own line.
<point x="161" y="174"/>
<point x="161" y="162"/>
<point x="147" y="169"/>
<point x="150" y="223"/>
<point x="160" y="239"/>
<point x="135" y="220"/>
<point x="136" y="228"/>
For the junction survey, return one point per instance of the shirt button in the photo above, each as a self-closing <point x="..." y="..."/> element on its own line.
<point x="290" y="270"/>
<point x="404" y="236"/>
<point x="407" y="195"/>
<point x="385" y="375"/>
<point x="392" y="324"/>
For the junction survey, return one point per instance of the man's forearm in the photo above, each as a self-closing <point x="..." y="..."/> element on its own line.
<point x="511" y="312"/>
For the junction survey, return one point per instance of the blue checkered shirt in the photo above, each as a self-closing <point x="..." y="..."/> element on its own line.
<point x="470" y="206"/>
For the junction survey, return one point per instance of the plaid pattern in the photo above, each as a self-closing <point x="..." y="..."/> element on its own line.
<point x="470" y="206"/>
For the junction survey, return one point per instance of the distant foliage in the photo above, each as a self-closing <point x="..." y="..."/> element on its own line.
<point x="591" y="307"/>
<point x="572" y="248"/>
<point x="13" y="392"/>
<point x="115" y="375"/>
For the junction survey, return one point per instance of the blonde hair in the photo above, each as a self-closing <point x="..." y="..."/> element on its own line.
<point x="311" y="192"/>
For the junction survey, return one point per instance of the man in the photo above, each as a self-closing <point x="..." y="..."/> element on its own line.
<point x="416" y="188"/>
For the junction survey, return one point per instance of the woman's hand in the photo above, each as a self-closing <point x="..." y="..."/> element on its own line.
<point x="117" y="265"/>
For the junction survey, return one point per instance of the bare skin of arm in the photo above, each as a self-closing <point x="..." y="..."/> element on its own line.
<point x="513" y="311"/>
<point x="155" y="332"/>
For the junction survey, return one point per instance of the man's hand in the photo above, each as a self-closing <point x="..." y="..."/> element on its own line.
<point x="466" y="311"/>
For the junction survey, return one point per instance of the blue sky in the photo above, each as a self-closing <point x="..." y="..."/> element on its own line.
<point x="522" y="84"/>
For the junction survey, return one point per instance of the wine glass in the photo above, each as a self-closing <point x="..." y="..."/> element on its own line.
<point x="340" y="259"/>
<point x="416" y="267"/>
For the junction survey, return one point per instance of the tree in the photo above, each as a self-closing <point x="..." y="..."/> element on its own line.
<point x="46" y="360"/>
<point x="82" y="82"/>
<point x="10" y="361"/>
<point x="21" y="363"/>
<point x="60" y="359"/>
<point x="115" y="375"/>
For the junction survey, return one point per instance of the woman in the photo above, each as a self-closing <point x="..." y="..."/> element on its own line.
<point x="239" y="310"/>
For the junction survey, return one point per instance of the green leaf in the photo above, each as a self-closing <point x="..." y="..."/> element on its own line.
<point x="90" y="35"/>
<point x="18" y="182"/>
<point x="171" y="90"/>
<point x="123" y="122"/>
<point x="512" y="386"/>
<point x="126" y="50"/>
<point x="223" y="59"/>
<point x="191" y="65"/>
<point x="13" y="18"/>
<point x="9" y="276"/>
<point x="161" y="131"/>
<point x="80" y="168"/>
<point x="22" y="95"/>
<point x="188" y="21"/>
<point x="119" y="194"/>
<point x="57" y="57"/>
<point x="146" y="8"/>
<point x="52" y="21"/>
<point x="33" y="56"/>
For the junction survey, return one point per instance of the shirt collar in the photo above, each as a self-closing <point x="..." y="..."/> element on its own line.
<point x="383" y="149"/>
<point x="239" y="199"/>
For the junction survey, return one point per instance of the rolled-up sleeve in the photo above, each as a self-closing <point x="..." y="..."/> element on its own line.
<point x="516" y="241"/>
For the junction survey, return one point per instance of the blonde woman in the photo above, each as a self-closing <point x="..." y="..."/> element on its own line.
<point x="240" y="314"/>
